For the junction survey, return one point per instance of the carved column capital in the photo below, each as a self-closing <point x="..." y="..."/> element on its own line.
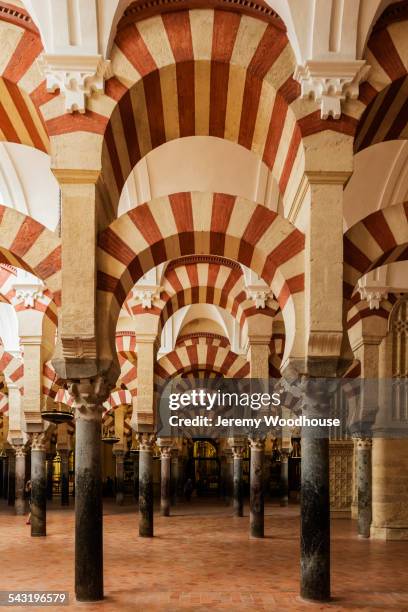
<point x="38" y="441"/>
<point x="257" y="443"/>
<point x="20" y="451"/>
<point x="237" y="446"/>
<point x="165" y="452"/>
<point x="146" y="441"/>
<point x="89" y="395"/>
<point x="363" y="443"/>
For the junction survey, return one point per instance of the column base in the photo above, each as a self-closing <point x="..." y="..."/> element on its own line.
<point x="389" y="533"/>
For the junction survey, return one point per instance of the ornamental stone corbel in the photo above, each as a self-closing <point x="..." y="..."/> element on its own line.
<point x="260" y="295"/>
<point x="373" y="295"/>
<point x="77" y="77"/>
<point x="147" y="294"/>
<point x="331" y="82"/>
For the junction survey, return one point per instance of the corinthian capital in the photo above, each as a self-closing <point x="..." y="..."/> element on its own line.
<point x="257" y="443"/>
<point x="146" y="441"/>
<point x="38" y="441"/>
<point x="20" y="451"/>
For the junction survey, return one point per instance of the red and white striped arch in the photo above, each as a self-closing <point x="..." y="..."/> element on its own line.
<point x="385" y="94"/>
<point x="12" y="368"/>
<point x="379" y="239"/>
<point x="25" y="243"/>
<point x="189" y="223"/>
<point x="360" y="310"/>
<point x="4" y="405"/>
<point x="22" y="84"/>
<point x="204" y="353"/>
<point x="203" y="279"/>
<point x="206" y="73"/>
<point x="118" y="397"/>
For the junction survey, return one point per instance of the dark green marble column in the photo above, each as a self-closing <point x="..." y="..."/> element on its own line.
<point x="119" y="476"/>
<point x="38" y="486"/>
<point x="364" y="486"/>
<point x="256" y="501"/>
<point x="146" y="443"/>
<point x="315" y="518"/>
<point x="64" y="485"/>
<point x="89" y="396"/>
<point x="50" y="473"/>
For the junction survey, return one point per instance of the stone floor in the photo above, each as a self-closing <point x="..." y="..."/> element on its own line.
<point x="201" y="559"/>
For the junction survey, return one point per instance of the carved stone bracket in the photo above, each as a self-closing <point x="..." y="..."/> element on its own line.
<point x="89" y="395"/>
<point x="27" y="296"/>
<point x="259" y="295"/>
<point x="331" y="82"/>
<point x="78" y="77"/>
<point x="373" y="295"/>
<point x="147" y="294"/>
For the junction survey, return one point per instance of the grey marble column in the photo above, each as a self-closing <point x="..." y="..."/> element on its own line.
<point x="284" y="477"/>
<point x="20" y="480"/>
<point x="315" y="518"/>
<point x="238" y="447"/>
<point x="119" y="476"/>
<point x="146" y="443"/>
<point x="175" y="476"/>
<point x="64" y="484"/>
<point x="5" y="477"/>
<point x="38" y="486"/>
<point x="364" y="486"/>
<point x="165" y="482"/>
<point x="11" y="477"/>
<point x="11" y="488"/>
<point x="135" y="457"/>
<point x="89" y="396"/>
<point x="256" y="491"/>
<point x="50" y="472"/>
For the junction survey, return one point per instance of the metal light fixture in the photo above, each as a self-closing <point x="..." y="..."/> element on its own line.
<point x="61" y="414"/>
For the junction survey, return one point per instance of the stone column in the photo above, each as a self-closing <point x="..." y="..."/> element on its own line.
<point x="315" y="517"/>
<point x="284" y="476"/>
<point x="238" y="447"/>
<point x="364" y="486"/>
<point x="119" y="476"/>
<point x="146" y="442"/>
<point x="11" y="488"/>
<point x="89" y="396"/>
<point x="165" y="483"/>
<point x="135" y="457"/>
<point x="20" y="480"/>
<point x="5" y="477"/>
<point x="50" y="470"/>
<point x="64" y="454"/>
<point x="38" y="485"/>
<point x="174" y="476"/>
<point x="256" y="494"/>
